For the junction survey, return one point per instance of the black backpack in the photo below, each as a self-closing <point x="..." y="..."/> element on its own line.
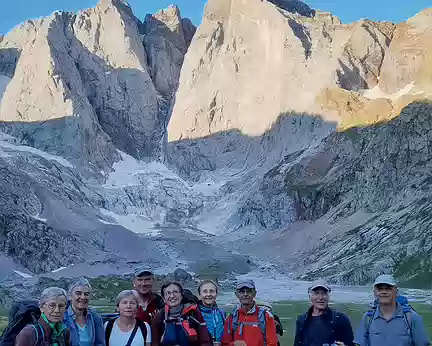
<point x="20" y="315"/>
<point x="139" y="324"/>
<point x="189" y="297"/>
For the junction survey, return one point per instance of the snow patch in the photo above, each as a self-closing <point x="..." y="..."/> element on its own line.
<point x="38" y="218"/>
<point x="127" y="171"/>
<point x="135" y="223"/>
<point x="58" y="269"/>
<point x="23" y="148"/>
<point x="377" y="93"/>
<point x="24" y="275"/>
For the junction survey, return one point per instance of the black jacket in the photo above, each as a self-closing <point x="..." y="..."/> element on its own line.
<point x="338" y="322"/>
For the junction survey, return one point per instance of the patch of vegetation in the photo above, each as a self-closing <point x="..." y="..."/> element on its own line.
<point x="415" y="271"/>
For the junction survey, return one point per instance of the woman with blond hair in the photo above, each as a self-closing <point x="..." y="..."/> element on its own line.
<point x="127" y="329"/>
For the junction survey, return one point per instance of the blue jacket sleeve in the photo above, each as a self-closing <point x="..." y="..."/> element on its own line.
<point x="99" y="329"/>
<point x="419" y="334"/>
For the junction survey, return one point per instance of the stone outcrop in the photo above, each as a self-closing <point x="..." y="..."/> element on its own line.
<point x="365" y="190"/>
<point x="166" y="38"/>
<point x="408" y="56"/>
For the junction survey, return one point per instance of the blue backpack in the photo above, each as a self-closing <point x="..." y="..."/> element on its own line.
<point x="406" y="309"/>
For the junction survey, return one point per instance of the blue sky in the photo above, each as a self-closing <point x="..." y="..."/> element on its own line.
<point x="14" y="12"/>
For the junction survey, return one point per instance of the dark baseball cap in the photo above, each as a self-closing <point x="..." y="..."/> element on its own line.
<point x="143" y="271"/>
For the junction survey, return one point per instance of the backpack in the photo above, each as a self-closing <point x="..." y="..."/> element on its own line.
<point x="406" y="309"/>
<point x="21" y="314"/>
<point x="138" y="324"/>
<point x="302" y="322"/>
<point x="188" y="323"/>
<point x="189" y="297"/>
<point x="234" y="325"/>
<point x="278" y="322"/>
<point x="109" y="317"/>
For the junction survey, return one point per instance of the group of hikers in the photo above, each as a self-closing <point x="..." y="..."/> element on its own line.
<point x="178" y="318"/>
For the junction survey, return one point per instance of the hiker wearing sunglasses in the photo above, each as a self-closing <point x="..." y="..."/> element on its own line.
<point x="248" y="324"/>
<point x="50" y="330"/>
<point x="390" y="320"/>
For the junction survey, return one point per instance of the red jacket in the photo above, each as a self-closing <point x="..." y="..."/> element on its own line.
<point x="251" y="333"/>
<point x="154" y="305"/>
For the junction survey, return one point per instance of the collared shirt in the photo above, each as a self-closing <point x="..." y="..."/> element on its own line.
<point x="94" y="326"/>
<point x="392" y="332"/>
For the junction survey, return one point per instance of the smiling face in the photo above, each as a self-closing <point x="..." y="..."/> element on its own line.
<point x="172" y="295"/>
<point x="319" y="298"/>
<point x="80" y="298"/>
<point x="208" y="294"/>
<point x="54" y="309"/>
<point x="385" y="294"/>
<point x="246" y="296"/>
<point x="143" y="284"/>
<point x="128" y="306"/>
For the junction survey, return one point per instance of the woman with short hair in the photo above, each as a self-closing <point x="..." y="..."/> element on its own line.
<point x="213" y="315"/>
<point x="85" y="324"/>
<point x="127" y="329"/>
<point x="50" y="327"/>
<point x="180" y="323"/>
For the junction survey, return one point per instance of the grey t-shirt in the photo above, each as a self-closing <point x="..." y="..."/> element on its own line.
<point x="393" y="332"/>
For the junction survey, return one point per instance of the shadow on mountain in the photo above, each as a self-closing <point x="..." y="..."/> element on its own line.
<point x="235" y="151"/>
<point x="8" y="61"/>
<point x="106" y="101"/>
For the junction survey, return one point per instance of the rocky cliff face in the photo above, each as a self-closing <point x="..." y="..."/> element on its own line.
<point x="273" y="130"/>
<point x="267" y="81"/>
<point x="77" y="88"/>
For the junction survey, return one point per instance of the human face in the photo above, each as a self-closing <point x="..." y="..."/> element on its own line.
<point x="54" y="309"/>
<point x="143" y="284"/>
<point x="128" y="306"/>
<point x="80" y="298"/>
<point x="208" y="294"/>
<point x="319" y="298"/>
<point x="385" y="294"/>
<point x="246" y="296"/>
<point x="172" y="296"/>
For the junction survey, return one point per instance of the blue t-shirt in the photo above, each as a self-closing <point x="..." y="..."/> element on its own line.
<point x="84" y="335"/>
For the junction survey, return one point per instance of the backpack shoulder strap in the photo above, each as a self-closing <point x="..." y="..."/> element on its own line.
<point x="40" y="334"/>
<point x="132" y="336"/>
<point x="367" y="323"/>
<point x="263" y="322"/>
<point x="408" y="315"/>
<point x="108" y="330"/>
<point x="233" y="325"/>
<point x="143" y="329"/>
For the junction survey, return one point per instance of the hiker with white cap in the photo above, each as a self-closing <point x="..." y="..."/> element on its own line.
<point x="321" y="325"/>
<point x="390" y="321"/>
<point x="248" y="324"/>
